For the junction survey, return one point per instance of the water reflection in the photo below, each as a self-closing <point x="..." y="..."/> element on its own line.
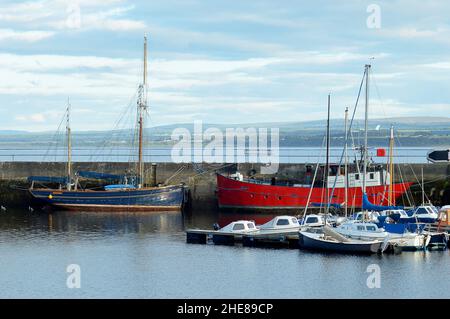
<point x="19" y="221"/>
<point x="145" y="255"/>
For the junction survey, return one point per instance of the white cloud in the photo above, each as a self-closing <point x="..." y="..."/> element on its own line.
<point x="438" y="65"/>
<point x="35" y="118"/>
<point x="256" y="19"/>
<point x="24" y="12"/>
<point x="55" y="15"/>
<point x="27" y="36"/>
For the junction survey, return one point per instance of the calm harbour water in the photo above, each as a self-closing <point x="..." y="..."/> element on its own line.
<point x="145" y="255"/>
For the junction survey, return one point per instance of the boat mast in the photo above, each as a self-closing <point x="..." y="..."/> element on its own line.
<point x="69" y="147"/>
<point x="327" y="165"/>
<point x="423" y="189"/>
<point x="391" y="167"/>
<point x="346" y="161"/>
<point x="366" y="122"/>
<point x="142" y="106"/>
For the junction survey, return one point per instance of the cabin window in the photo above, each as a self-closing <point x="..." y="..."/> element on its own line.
<point x="238" y="227"/>
<point x="282" y="222"/>
<point x="357" y="177"/>
<point x="371" y="228"/>
<point x="265" y="196"/>
<point x="279" y="197"/>
<point x="250" y="225"/>
<point x="360" y="228"/>
<point x="371" y="176"/>
<point x="294" y="220"/>
<point x="312" y="220"/>
<point x="421" y="211"/>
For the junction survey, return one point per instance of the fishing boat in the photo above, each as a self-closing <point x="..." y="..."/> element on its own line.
<point x="128" y="192"/>
<point x="329" y="240"/>
<point x="249" y="194"/>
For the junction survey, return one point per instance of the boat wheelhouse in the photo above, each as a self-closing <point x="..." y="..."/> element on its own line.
<point x="280" y="223"/>
<point x="239" y="227"/>
<point x="361" y="230"/>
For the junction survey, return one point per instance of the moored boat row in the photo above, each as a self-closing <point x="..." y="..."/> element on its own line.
<point x="315" y="233"/>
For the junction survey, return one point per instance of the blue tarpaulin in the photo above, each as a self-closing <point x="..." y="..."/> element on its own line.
<point x="369" y="206"/>
<point x="96" y="175"/>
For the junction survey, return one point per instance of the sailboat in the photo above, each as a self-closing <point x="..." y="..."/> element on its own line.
<point x="327" y="239"/>
<point x="364" y="229"/>
<point x="364" y="238"/>
<point x="125" y="193"/>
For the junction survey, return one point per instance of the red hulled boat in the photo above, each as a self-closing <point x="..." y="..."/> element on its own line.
<point x="234" y="192"/>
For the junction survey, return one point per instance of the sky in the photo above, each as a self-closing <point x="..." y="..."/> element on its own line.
<point x="219" y="61"/>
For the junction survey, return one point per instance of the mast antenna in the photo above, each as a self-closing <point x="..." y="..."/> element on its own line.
<point x="327" y="166"/>
<point x="69" y="146"/>
<point x="142" y="107"/>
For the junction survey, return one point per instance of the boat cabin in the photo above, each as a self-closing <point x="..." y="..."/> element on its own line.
<point x="361" y="230"/>
<point x="425" y="211"/>
<point x="374" y="178"/>
<point x="389" y="212"/>
<point x="240" y="226"/>
<point x="281" y="222"/>
<point x="369" y="216"/>
<point x="313" y="220"/>
<point x="366" y="227"/>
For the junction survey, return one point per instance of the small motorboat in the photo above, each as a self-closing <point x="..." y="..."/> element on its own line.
<point x="281" y="230"/>
<point x="280" y="224"/>
<point x="422" y="214"/>
<point x="223" y="236"/>
<point x="238" y="227"/>
<point x="397" y="215"/>
<point x="314" y="220"/>
<point x="330" y="240"/>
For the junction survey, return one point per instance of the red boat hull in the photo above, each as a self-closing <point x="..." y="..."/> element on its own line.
<point x="234" y="194"/>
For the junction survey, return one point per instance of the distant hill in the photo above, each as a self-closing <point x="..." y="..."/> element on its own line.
<point x="12" y="132"/>
<point x="410" y="131"/>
